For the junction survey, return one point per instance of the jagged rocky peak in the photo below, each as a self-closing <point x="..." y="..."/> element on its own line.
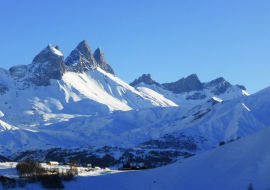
<point x="218" y="86"/>
<point x="100" y="59"/>
<point x="48" y="64"/>
<point x="145" y="78"/>
<point x="190" y="83"/>
<point x="84" y="48"/>
<point x="81" y="58"/>
<point x="48" y="54"/>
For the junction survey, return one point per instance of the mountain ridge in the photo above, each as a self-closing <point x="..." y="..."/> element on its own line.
<point x="84" y="104"/>
<point x="188" y="84"/>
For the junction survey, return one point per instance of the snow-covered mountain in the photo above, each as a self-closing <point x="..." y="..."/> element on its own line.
<point x="189" y="90"/>
<point x="80" y="102"/>
<point x="154" y="134"/>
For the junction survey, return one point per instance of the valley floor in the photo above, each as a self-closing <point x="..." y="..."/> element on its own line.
<point x="232" y="166"/>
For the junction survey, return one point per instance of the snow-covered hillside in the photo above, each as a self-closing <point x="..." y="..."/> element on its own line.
<point x="232" y="166"/>
<point x="79" y="102"/>
<point x="213" y="121"/>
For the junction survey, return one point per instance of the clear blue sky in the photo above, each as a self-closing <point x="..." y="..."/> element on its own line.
<point x="168" y="39"/>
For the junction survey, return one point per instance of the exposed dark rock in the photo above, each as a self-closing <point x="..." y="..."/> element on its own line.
<point x="145" y="78"/>
<point x="241" y="87"/>
<point x="57" y="47"/>
<point x="196" y="96"/>
<point x="177" y="87"/>
<point x="81" y="58"/>
<point x="48" y="64"/>
<point x="217" y="86"/>
<point x="191" y="83"/>
<point x="3" y="88"/>
<point x="18" y="71"/>
<point x="100" y="59"/>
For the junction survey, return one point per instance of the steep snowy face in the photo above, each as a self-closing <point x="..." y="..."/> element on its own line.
<point x="81" y="58"/>
<point x="48" y="64"/>
<point x="146" y="79"/>
<point x="100" y="59"/>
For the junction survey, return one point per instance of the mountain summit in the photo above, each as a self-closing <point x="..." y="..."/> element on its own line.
<point x="100" y="59"/>
<point x="81" y="58"/>
<point x="48" y="64"/>
<point x="146" y="79"/>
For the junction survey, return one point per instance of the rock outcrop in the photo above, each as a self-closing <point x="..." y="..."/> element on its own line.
<point x="48" y="64"/>
<point x="191" y="83"/>
<point x="146" y="79"/>
<point x="3" y="88"/>
<point x="241" y="86"/>
<point x="100" y="59"/>
<point x="81" y="58"/>
<point x="217" y="86"/>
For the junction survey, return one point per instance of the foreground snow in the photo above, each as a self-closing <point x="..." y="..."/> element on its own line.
<point x="232" y="166"/>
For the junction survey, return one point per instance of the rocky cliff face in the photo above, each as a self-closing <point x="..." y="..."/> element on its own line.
<point x="81" y="58"/>
<point x="191" y="83"/>
<point x="48" y="64"/>
<point x="100" y="59"/>
<point x="145" y="78"/>
<point x="218" y="86"/>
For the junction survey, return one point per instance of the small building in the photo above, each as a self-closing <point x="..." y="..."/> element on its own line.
<point x="55" y="163"/>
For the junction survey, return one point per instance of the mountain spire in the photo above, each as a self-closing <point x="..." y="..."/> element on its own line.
<point x="100" y="59"/>
<point x="48" y="64"/>
<point x="81" y="58"/>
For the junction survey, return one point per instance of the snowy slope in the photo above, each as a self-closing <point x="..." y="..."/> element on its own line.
<point x="232" y="166"/>
<point x="215" y="120"/>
